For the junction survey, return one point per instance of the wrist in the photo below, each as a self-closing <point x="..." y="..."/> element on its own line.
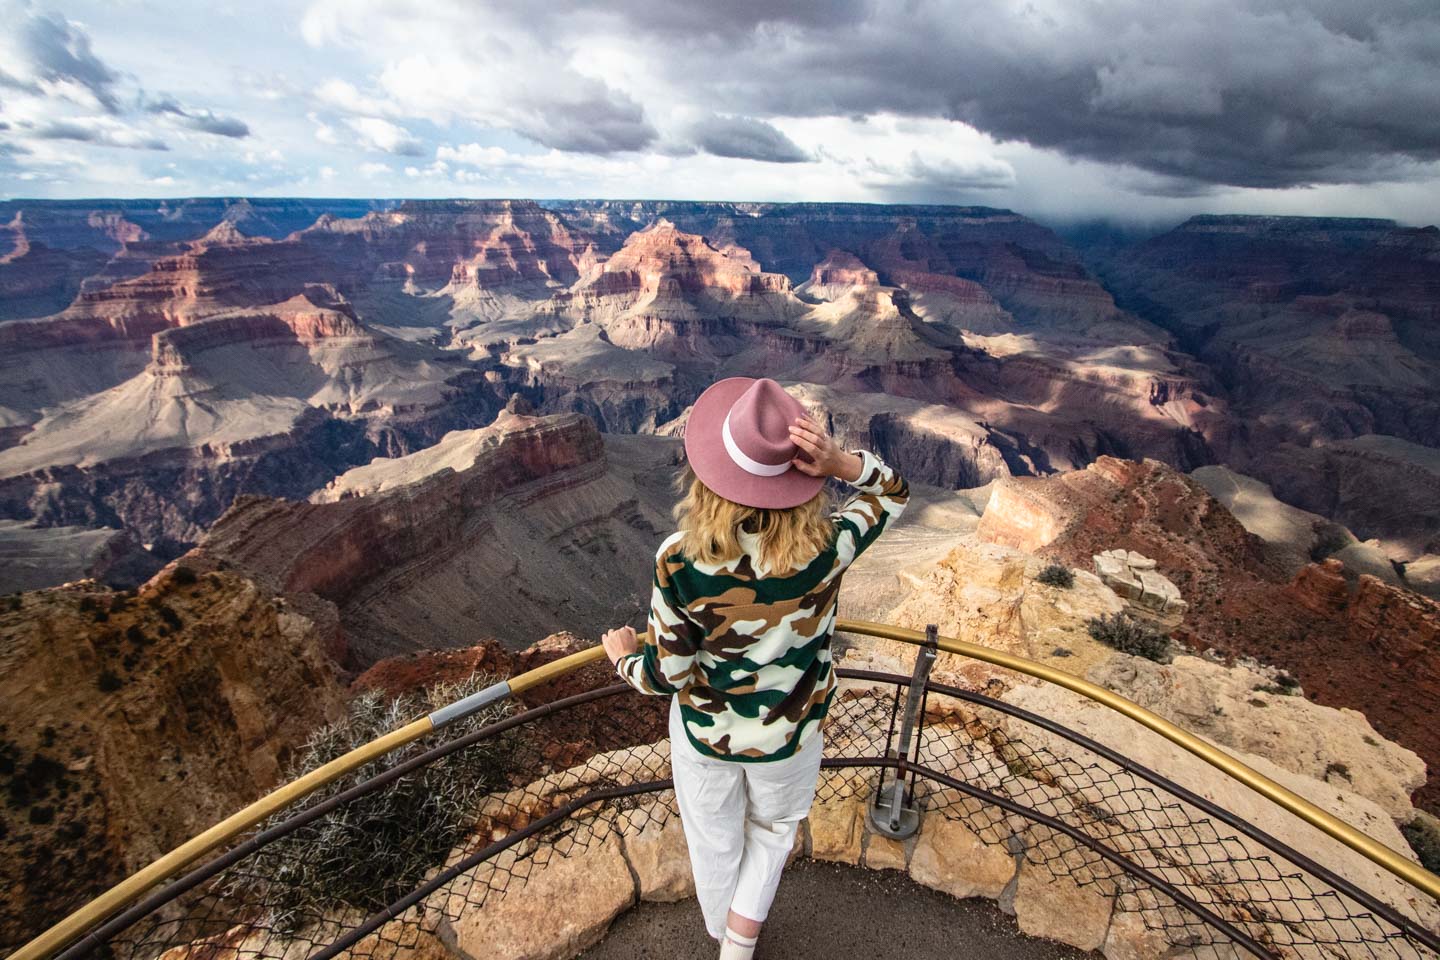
<point x="850" y="467"/>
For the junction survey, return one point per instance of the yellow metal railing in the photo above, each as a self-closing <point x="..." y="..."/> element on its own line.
<point x="127" y="891"/>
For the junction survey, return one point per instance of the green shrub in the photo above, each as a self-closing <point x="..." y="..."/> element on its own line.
<point x="370" y="852"/>
<point x="109" y="682"/>
<point x="15" y="601"/>
<point x="1129" y="635"/>
<point x="184" y="576"/>
<point x="1423" y="835"/>
<point x="1057" y="575"/>
<point x="1285" y="685"/>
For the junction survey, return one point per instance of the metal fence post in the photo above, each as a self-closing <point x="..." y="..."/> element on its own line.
<point x="889" y="813"/>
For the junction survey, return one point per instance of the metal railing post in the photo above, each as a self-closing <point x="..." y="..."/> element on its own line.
<point x="889" y="813"/>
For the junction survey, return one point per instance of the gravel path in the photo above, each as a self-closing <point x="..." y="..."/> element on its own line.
<point x="835" y="912"/>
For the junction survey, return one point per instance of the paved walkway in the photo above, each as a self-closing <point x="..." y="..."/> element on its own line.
<point x="835" y="912"/>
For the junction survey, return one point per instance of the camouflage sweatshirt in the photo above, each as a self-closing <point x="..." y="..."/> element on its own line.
<point x="748" y="655"/>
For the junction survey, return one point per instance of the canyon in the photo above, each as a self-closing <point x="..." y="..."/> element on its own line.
<point x="394" y="440"/>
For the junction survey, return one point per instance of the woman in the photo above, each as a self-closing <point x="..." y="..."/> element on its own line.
<point x="741" y="612"/>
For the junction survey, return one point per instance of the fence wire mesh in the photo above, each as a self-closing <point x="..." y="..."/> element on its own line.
<point x="332" y="886"/>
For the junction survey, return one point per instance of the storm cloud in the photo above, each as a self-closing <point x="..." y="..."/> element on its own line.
<point x="746" y="138"/>
<point x="102" y="134"/>
<point x="60" y="52"/>
<point x="1148" y="108"/>
<point x="1254" y="93"/>
<point x="203" y="120"/>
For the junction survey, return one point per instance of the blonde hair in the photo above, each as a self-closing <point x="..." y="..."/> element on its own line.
<point x="789" y="538"/>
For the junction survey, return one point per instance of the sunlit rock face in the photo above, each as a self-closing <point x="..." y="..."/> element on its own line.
<point x="514" y="530"/>
<point x="232" y="347"/>
<point x="1323" y="333"/>
<point x="1350" y="638"/>
<point x="135" y="720"/>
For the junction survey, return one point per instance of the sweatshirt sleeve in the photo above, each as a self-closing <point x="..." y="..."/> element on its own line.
<point x="879" y="499"/>
<point x="665" y="663"/>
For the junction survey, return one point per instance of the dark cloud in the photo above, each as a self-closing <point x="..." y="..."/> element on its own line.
<point x="919" y="180"/>
<point x="207" y="122"/>
<point x="1256" y="93"/>
<point x="600" y="120"/>
<point x="202" y="120"/>
<point x="746" y="138"/>
<point x="103" y="136"/>
<point x="59" y="50"/>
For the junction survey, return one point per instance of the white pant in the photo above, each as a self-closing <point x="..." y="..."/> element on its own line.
<point x="740" y="822"/>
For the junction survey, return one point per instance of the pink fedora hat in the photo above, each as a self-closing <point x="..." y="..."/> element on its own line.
<point x="738" y="443"/>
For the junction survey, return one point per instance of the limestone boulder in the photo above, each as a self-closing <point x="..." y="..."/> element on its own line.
<point x="836" y="829"/>
<point x="1147" y="591"/>
<point x="564" y="907"/>
<point x="987" y="594"/>
<point x="660" y="859"/>
<point x="1130" y="938"/>
<point x="949" y="857"/>
<point x="1154" y="844"/>
<point x="1057" y="908"/>
<point x="884" y="853"/>
<point x="1241" y="708"/>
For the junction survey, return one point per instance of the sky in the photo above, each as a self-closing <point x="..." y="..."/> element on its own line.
<point x="1140" y="111"/>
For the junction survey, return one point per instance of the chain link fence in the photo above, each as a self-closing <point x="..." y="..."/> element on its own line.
<point x="376" y="865"/>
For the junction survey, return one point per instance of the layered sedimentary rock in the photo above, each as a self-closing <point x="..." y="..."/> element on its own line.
<point x="519" y="529"/>
<point x="1363" y="643"/>
<point x="274" y="400"/>
<point x="132" y="721"/>
<point x="1321" y="330"/>
<point x="622" y="315"/>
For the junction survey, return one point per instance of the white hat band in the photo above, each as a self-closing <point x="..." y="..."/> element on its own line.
<point x="744" y="462"/>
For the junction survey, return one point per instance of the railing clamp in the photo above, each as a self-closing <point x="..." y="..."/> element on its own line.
<point x="889" y="813"/>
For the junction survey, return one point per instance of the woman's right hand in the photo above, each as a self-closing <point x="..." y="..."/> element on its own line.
<point x="827" y="458"/>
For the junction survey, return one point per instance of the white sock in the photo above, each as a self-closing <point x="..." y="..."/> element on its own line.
<point x="736" y="947"/>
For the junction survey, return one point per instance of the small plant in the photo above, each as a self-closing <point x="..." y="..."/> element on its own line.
<point x="368" y="853"/>
<point x="1056" y="575"/>
<point x="1337" y="768"/>
<point x="15" y="601"/>
<point x="171" y="618"/>
<point x="119" y="602"/>
<point x="1129" y="635"/>
<point x="1423" y="835"/>
<point x="1285" y="685"/>
<point x="184" y="576"/>
<point x="109" y="681"/>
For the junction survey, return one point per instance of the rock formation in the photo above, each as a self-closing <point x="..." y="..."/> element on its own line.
<point x="132" y="721"/>
<point x="1321" y="330"/>
<point x="1148" y="594"/>
<point x="1350" y="644"/>
<point x="518" y="529"/>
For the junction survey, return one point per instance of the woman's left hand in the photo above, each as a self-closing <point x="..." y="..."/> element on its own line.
<point x="620" y="642"/>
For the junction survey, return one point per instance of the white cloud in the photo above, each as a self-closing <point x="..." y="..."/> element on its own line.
<point x="1139" y="109"/>
<point x="387" y="137"/>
